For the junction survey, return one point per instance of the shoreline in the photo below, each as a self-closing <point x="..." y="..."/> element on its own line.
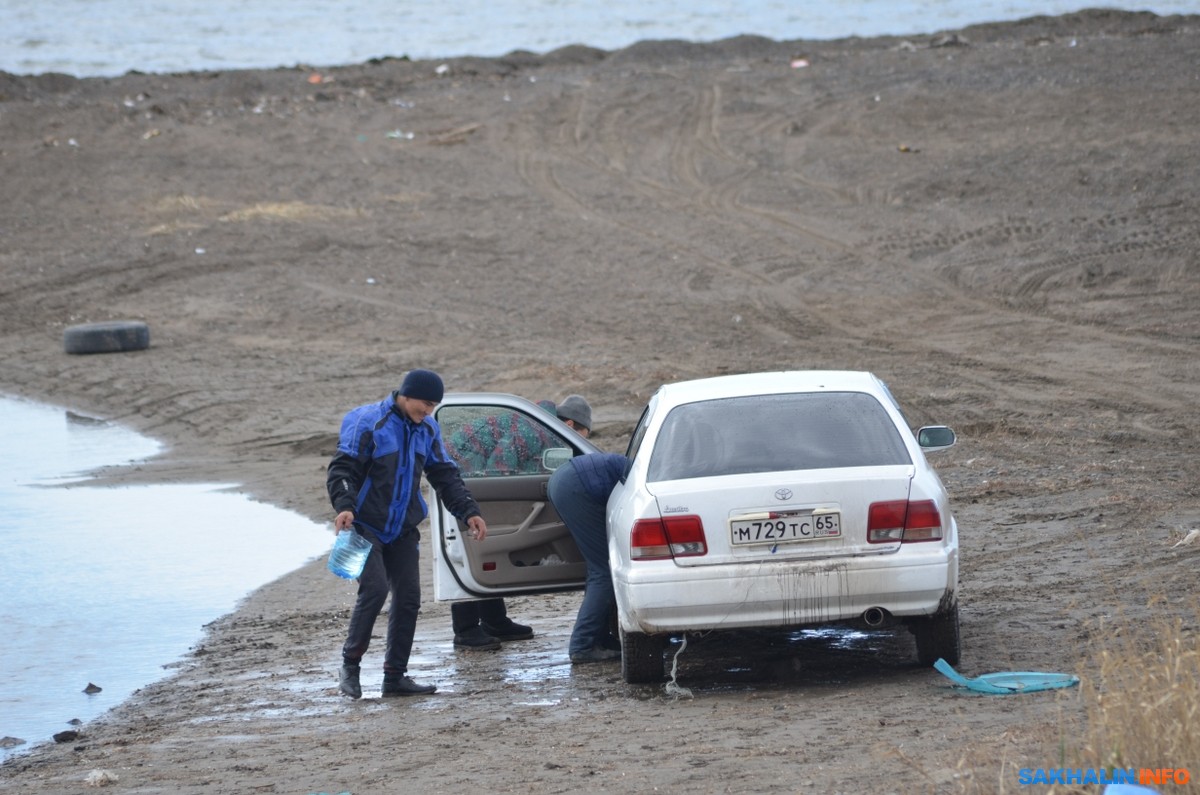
<point x="656" y="28"/>
<point x="112" y="652"/>
<point x="1000" y="225"/>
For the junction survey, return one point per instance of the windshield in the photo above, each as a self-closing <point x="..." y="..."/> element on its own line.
<point x="768" y="433"/>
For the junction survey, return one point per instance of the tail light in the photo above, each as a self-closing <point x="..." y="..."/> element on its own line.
<point x="672" y="537"/>
<point x="908" y="522"/>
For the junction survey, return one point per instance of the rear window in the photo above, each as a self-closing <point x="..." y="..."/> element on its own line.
<point x="768" y="433"/>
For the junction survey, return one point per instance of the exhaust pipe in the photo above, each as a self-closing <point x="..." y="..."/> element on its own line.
<point x="875" y="617"/>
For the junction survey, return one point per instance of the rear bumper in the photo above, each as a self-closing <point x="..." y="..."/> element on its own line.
<point x="660" y="597"/>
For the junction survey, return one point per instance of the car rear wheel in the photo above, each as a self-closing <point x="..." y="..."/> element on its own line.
<point x="938" y="637"/>
<point x="641" y="657"/>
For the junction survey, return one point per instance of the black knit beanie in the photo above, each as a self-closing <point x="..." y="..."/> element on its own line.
<point x="423" y="385"/>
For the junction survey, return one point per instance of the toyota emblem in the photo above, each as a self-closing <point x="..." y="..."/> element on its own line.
<point x="783" y="494"/>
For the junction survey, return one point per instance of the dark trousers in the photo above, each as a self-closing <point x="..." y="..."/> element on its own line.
<point x="466" y="615"/>
<point x="585" y="518"/>
<point x="391" y="569"/>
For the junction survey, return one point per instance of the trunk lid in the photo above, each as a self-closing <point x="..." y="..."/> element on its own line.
<point x="784" y="515"/>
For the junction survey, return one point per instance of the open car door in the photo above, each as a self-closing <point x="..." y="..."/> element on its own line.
<point x="506" y="448"/>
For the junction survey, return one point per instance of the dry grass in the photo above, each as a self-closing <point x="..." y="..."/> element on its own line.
<point x="1142" y="701"/>
<point x="288" y="211"/>
<point x="1138" y="706"/>
<point x="192" y="212"/>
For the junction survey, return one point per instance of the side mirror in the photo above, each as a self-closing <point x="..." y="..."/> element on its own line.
<point x="932" y="438"/>
<point x="554" y="457"/>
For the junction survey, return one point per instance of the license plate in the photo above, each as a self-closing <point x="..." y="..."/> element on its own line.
<point x="782" y="528"/>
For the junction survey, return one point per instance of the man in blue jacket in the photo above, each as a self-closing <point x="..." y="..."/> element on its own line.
<point x="374" y="483"/>
<point x="579" y="491"/>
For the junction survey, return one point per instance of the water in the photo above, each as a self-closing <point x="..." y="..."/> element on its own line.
<point x="110" y="586"/>
<point x="97" y="38"/>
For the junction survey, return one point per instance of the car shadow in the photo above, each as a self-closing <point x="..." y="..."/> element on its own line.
<point x="822" y="656"/>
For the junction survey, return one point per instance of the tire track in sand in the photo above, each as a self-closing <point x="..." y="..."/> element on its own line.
<point x="682" y="163"/>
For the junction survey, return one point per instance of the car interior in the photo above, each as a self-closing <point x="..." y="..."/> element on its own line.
<point x="505" y="457"/>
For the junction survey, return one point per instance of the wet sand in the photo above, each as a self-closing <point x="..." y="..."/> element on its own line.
<point x="1000" y="222"/>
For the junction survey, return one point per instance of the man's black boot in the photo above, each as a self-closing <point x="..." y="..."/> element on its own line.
<point x="403" y="686"/>
<point x="348" y="681"/>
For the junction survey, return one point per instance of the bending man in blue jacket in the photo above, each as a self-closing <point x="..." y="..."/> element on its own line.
<point x="374" y="483"/>
<point x="579" y="491"/>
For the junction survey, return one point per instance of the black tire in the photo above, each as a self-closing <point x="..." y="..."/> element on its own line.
<point x="641" y="657"/>
<point x="114" y="336"/>
<point x="938" y="637"/>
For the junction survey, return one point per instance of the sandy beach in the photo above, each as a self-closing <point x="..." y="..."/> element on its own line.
<point x="1002" y="222"/>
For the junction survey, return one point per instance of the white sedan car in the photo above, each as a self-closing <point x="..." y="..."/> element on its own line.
<point x="766" y="500"/>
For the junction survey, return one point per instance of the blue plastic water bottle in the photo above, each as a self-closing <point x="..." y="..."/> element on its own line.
<point x="349" y="554"/>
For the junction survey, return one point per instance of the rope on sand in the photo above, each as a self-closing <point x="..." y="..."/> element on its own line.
<point x="672" y="688"/>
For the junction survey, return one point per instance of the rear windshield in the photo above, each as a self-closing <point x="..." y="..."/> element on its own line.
<point x="768" y="433"/>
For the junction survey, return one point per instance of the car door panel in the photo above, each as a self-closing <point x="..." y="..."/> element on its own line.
<point x="524" y="532"/>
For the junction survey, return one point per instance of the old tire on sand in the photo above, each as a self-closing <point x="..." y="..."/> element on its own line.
<point x="112" y="336"/>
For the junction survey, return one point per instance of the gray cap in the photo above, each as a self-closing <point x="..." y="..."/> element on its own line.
<point x="574" y="407"/>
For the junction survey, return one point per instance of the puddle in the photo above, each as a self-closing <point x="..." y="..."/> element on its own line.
<point x="537" y="673"/>
<point x="841" y="637"/>
<point x="112" y="586"/>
